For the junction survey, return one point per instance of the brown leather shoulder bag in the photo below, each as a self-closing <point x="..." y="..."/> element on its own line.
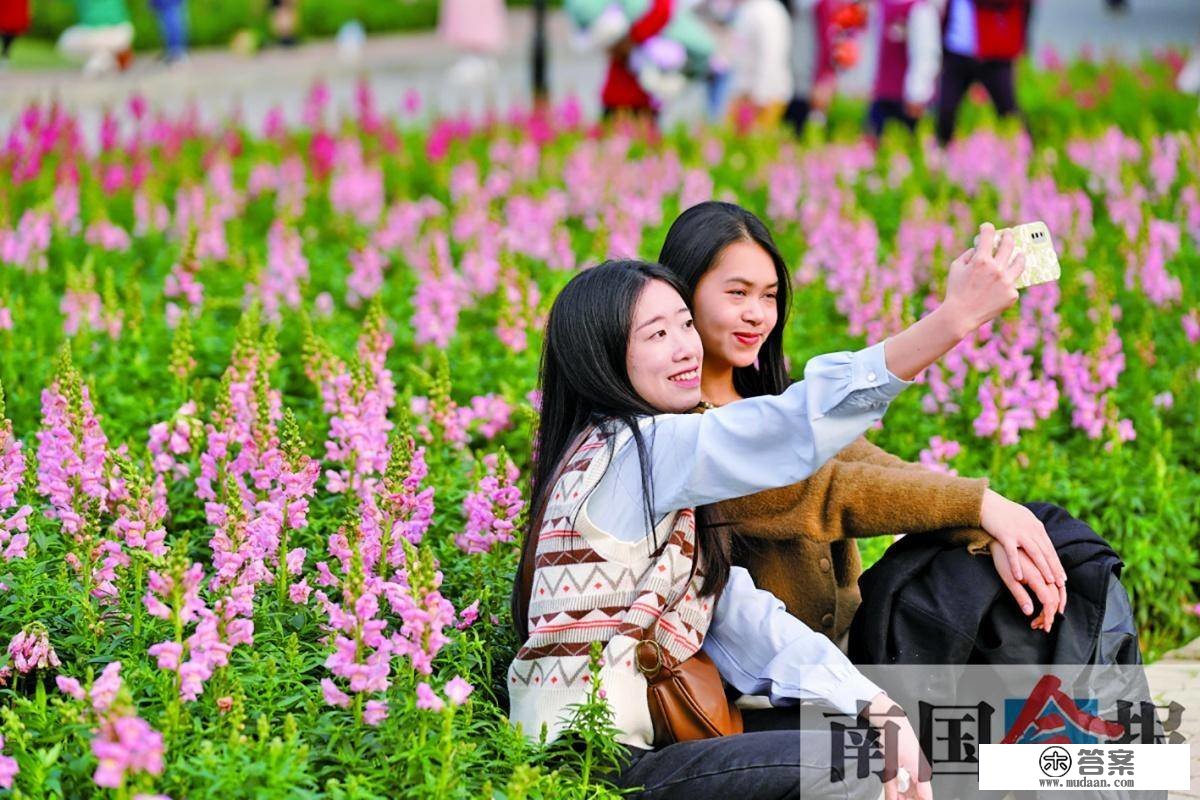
<point x="687" y="698"/>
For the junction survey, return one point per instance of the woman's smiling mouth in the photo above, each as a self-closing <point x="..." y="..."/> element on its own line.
<point x="688" y="379"/>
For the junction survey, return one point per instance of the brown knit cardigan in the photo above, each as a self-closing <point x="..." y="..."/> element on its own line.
<point x="798" y="541"/>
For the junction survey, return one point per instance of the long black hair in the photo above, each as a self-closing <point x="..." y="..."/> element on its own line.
<point x="695" y="242"/>
<point x="584" y="381"/>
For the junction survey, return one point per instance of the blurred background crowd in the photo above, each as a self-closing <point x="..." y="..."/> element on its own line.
<point x="755" y="63"/>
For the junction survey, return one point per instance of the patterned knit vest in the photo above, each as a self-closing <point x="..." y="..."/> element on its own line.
<point x="590" y="586"/>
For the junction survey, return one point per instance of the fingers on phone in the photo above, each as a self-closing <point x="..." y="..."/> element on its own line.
<point x="1005" y="253"/>
<point x="987" y="238"/>
<point x="1015" y="267"/>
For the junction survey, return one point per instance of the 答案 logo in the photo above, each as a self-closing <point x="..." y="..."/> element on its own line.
<point x="1055" y="762"/>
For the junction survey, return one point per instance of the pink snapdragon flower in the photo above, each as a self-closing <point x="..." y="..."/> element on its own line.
<point x="8" y="768"/>
<point x="939" y="452"/>
<point x="14" y="519"/>
<point x="427" y="699"/>
<point x="492" y="509"/>
<point x="367" y="266"/>
<point x="107" y="236"/>
<point x="72" y="452"/>
<point x="126" y="745"/>
<point x="458" y="690"/>
<point x="30" y="649"/>
<point x="286" y="270"/>
<point x="172" y="441"/>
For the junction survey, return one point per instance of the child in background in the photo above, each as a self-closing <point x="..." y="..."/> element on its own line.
<point x="908" y="57"/>
<point x="760" y="69"/>
<point x="172" y="21"/>
<point x="102" y="39"/>
<point x="14" y="21"/>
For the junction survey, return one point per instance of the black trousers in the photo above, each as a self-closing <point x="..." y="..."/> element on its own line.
<point x="881" y="112"/>
<point x="781" y="756"/>
<point x="796" y="114"/>
<point x="958" y="73"/>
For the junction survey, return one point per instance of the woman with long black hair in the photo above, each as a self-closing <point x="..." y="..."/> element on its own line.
<point x="799" y="541"/>
<point x="620" y="469"/>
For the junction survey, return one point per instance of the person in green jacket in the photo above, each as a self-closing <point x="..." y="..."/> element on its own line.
<point x="102" y="39"/>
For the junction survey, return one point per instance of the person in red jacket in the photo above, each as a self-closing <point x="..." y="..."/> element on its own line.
<point x="622" y="94"/>
<point x="981" y="40"/>
<point x="14" y="21"/>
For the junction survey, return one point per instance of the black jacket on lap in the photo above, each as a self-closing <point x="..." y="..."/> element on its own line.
<point x="928" y="602"/>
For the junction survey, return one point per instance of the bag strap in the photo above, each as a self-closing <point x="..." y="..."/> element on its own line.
<point x="663" y="656"/>
<point x="528" y="568"/>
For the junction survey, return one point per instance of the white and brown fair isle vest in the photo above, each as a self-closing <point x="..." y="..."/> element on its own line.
<point x="590" y="586"/>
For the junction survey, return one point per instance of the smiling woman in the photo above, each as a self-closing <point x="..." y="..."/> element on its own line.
<point x="799" y="541"/>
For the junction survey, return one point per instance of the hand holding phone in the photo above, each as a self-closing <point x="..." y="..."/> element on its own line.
<point x="1032" y="239"/>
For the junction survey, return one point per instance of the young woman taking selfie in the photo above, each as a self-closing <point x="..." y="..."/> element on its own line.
<point x="798" y="541"/>
<point x="616" y="556"/>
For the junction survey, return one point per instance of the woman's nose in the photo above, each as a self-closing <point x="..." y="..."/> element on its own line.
<point x="687" y="346"/>
<point x="753" y="312"/>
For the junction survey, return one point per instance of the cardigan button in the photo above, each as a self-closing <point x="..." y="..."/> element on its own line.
<point x="827" y="620"/>
<point x="824" y="563"/>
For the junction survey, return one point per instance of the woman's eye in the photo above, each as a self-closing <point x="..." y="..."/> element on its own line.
<point x="770" y="296"/>
<point x="659" y="335"/>
<point x="689" y="324"/>
<point x="739" y="292"/>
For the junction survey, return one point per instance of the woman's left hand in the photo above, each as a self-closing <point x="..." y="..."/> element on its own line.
<point x="1016" y="528"/>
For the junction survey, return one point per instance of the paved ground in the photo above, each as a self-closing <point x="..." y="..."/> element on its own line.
<point x="1177" y="677"/>
<point x="221" y="82"/>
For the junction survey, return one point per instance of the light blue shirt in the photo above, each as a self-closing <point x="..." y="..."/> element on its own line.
<point x="739" y="449"/>
<point x="960" y="27"/>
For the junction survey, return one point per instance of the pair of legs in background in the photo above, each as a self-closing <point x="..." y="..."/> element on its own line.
<point x="958" y="74"/>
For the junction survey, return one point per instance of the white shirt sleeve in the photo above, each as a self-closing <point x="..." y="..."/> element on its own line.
<point x="747" y="446"/>
<point x="760" y="648"/>
<point x="924" y="53"/>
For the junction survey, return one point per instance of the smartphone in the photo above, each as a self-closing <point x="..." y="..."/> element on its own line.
<point x="1041" y="261"/>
